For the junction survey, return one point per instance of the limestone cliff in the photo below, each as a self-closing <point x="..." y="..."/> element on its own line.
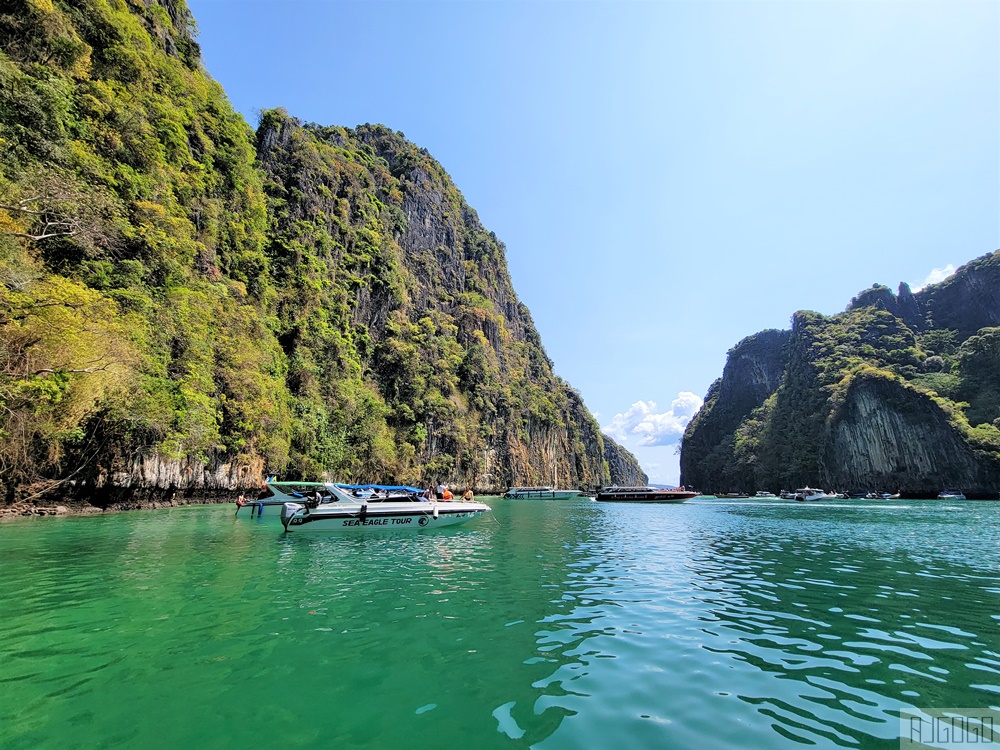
<point x="889" y="434"/>
<point x="753" y="372"/>
<point x="410" y="297"/>
<point x="623" y="466"/>
<point x="899" y="392"/>
<point x="187" y="305"/>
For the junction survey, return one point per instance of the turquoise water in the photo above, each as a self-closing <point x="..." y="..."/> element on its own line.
<point x="555" y="624"/>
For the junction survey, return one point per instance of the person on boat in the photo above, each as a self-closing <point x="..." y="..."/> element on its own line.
<point x="314" y="499"/>
<point x="446" y="494"/>
<point x="428" y="494"/>
<point x="468" y="496"/>
<point x="440" y="491"/>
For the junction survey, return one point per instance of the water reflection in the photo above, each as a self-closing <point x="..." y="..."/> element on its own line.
<point x="561" y="624"/>
<point x="796" y="629"/>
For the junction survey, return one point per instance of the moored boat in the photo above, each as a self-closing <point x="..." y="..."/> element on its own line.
<point x="951" y="495"/>
<point x="809" y="494"/>
<point x="765" y="494"/>
<point x="393" y="512"/>
<point x="644" y="495"/>
<point x="521" y="493"/>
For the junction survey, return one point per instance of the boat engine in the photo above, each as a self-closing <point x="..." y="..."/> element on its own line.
<point x="287" y="511"/>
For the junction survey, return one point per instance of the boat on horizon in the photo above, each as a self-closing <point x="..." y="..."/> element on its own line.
<point x="547" y="493"/>
<point x="400" y="511"/>
<point x="644" y="495"/>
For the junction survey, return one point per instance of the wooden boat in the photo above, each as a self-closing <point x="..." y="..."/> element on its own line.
<point x="644" y="495"/>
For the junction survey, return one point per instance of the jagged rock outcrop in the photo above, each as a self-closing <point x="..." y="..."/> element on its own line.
<point x="966" y="301"/>
<point x="754" y="370"/>
<point x="623" y="466"/>
<point x="899" y="392"/>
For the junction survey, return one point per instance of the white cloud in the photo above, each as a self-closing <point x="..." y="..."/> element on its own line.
<point x="936" y="275"/>
<point x="653" y="427"/>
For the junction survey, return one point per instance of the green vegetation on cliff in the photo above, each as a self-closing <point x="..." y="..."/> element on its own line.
<point x="181" y="298"/>
<point x="809" y="424"/>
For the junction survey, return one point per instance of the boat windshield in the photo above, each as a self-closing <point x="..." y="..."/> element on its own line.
<point x="338" y="494"/>
<point x="295" y="489"/>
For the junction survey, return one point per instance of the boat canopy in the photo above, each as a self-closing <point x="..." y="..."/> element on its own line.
<point x="390" y="487"/>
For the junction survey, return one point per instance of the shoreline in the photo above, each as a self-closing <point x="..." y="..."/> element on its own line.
<point x="23" y="509"/>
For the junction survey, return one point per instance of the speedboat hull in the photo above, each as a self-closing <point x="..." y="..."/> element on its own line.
<point x="403" y="516"/>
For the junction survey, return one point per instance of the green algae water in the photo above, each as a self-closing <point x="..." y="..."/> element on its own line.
<point x="554" y="624"/>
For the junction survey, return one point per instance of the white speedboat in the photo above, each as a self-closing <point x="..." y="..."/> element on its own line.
<point x="951" y="495"/>
<point x="342" y="512"/>
<point x="521" y="493"/>
<point x="644" y="495"/>
<point x="808" y="495"/>
<point x="765" y="494"/>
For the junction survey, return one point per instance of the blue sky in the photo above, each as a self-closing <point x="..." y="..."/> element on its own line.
<point x="668" y="177"/>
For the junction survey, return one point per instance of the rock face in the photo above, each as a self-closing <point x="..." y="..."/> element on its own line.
<point x="435" y="331"/>
<point x="967" y="301"/>
<point x="753" y="372"/>
<point x="889" y="435"/>
<point x="898" y="393"/>
<point x="624" y="468"/>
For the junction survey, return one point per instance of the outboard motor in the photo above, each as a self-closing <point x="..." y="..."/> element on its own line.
<point x="287" y="511"/>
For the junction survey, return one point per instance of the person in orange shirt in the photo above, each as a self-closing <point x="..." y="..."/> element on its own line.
<point x="446" y="495"/>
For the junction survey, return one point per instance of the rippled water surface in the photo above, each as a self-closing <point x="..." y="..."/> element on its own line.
<point x="555" y="624"/>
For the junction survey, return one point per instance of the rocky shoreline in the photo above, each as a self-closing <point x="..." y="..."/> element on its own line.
<point x="24" y="509"/>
